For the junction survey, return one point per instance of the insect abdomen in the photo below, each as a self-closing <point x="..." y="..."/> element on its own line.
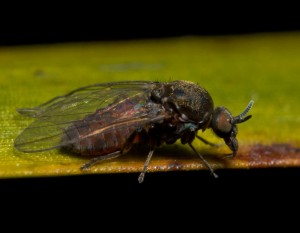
<point x="98" y="133"/>
<point x="98" y="143"/>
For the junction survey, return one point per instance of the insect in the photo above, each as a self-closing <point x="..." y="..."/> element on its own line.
<point x="104" y="121"/>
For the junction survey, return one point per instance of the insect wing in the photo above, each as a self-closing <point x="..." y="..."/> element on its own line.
<point x="53" y="118"/>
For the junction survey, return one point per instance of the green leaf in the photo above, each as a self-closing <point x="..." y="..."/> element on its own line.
<point x="234" y="69"/>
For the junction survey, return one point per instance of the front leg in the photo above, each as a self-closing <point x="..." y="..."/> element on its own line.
<point x="204" y="161"/>
<point x="207" y="142"/>
<point x="233" y="145"/>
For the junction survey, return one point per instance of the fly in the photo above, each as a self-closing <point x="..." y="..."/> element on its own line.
<point x="104" y="121"/>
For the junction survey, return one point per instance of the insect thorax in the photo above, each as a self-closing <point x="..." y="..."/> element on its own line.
<point x="190" y="101"/>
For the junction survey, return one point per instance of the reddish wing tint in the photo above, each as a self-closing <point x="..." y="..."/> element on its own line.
<point x="53" y="118"/>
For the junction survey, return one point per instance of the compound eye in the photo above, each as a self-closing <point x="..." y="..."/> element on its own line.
<point x="222" y="121"/>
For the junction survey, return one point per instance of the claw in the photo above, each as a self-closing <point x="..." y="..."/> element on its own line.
<point x="230" y="156"/>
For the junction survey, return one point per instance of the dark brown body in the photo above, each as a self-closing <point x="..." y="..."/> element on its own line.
<point x="100" y="143"/>
<point x="181" y="108"/>
<point x="104" y="120"/>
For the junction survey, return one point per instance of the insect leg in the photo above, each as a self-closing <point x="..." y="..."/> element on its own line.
<point x="204" y="161"/>
<point x="100" y="158"/>
<point x="142" y="175"/>
<point x="207" y="142"/>
<point x="127" y="147"/>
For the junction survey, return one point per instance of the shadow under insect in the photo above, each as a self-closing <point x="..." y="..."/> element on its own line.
<point x="166" y="157"/>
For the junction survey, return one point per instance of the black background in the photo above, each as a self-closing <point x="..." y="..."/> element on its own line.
<point x="52" y="24"/>
<point x="256" y="189"/>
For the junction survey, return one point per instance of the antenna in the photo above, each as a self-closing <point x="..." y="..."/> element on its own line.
<point x="240" y="118"/>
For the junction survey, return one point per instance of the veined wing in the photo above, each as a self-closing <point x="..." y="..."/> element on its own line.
<point x="87" y="99"/>
<point x="53" y="118"/>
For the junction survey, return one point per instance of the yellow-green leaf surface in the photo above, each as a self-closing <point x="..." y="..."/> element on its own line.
<point x="234" y="69"/>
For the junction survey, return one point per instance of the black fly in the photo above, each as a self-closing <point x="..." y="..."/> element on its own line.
<point x="104" y="121"/>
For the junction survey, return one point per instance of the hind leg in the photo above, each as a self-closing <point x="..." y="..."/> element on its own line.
<point x="100" y="158"/>
<point x="127" y="146"/>
<point x="142" y="175"/>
